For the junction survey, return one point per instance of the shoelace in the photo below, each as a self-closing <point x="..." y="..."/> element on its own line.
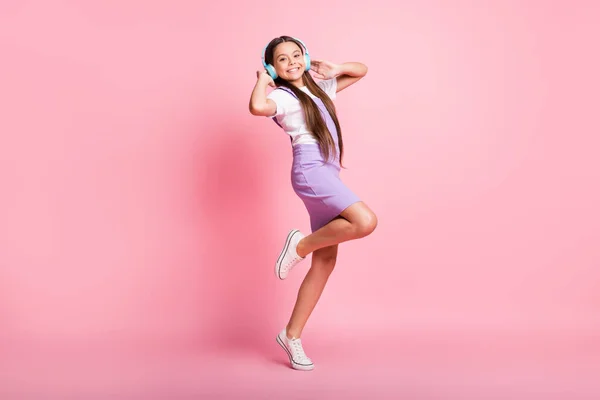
<point x="290" y="263"/>
<point x="298" y="350"/>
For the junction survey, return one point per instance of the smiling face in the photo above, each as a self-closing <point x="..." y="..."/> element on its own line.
<point x="288" y="61"/>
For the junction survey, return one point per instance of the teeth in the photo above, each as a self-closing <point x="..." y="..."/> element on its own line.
<point x="293" y="70"/>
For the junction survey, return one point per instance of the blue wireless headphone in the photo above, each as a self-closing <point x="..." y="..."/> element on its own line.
<point x="271" y="70"/>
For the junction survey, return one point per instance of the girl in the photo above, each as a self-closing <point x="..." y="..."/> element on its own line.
<point x="304" y="109"/>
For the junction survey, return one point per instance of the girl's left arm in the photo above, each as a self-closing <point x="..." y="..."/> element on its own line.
<point x="350" y="73"/>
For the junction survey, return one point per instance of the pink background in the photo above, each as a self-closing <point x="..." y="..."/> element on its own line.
<point x="142" y="205"/>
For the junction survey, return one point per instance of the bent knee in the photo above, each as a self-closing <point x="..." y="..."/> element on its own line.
<point x="366" y="224"/>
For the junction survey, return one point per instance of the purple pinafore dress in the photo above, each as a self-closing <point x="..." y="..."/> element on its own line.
<point x="316" y="181"/>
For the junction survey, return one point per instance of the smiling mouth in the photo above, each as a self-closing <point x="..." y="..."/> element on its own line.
<point x="293" y="70"/>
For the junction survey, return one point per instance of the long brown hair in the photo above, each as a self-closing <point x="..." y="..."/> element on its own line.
<point x="314" y="120"/>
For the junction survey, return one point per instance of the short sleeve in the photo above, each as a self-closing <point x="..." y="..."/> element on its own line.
<point x="281" y="99"/>
<point x="329" y="86"/>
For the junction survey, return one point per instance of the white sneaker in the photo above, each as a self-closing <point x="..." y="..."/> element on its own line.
<point x="288" y="257"/>
<point x="295" y="352"/>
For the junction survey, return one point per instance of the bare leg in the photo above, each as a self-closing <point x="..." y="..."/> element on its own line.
<point x="323" y="262"/>
<point x="357" y="221"/>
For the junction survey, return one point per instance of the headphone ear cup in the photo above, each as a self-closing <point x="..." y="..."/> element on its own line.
<point x="307" y="61"/>
<point x="271" y="71"/>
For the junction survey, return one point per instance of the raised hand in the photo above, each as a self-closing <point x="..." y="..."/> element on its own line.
<point x="264" y="76"/>
<point x="325" y="69"/>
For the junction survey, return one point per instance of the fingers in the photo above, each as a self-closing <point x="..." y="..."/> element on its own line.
<point x="265" y="72"/>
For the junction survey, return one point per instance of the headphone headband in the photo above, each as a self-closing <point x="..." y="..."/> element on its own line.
<point x="301" y="42"/>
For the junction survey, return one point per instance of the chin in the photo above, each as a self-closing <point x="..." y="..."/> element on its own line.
<point x="295" y="77"/>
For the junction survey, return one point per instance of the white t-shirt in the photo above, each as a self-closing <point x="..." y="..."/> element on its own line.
<point x="289" y="111"/>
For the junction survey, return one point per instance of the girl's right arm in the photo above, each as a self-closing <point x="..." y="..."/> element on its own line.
<point x="259" y="104"/>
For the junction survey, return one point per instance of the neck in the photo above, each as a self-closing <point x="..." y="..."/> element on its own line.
<point x="298" y="82"/>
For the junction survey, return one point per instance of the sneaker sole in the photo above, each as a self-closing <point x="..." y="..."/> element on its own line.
<point x="285" y="249"/>
<point x="295" y="365"/>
